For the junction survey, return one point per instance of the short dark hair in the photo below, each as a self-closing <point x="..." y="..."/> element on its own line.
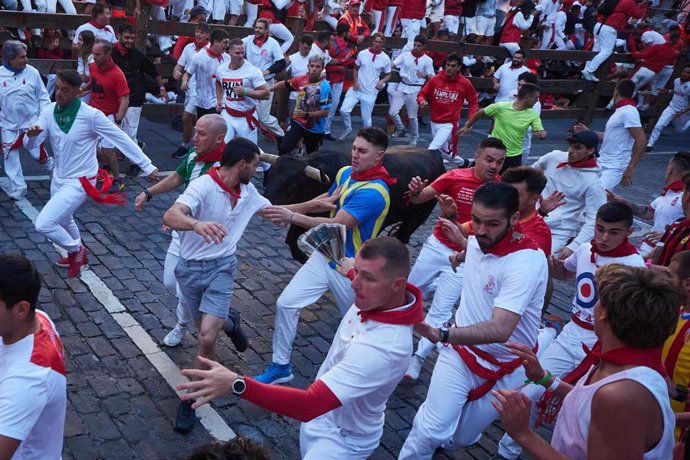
<point x="263" y="21"/>
<point x="375" y="136"/>
<point x="497" y="195"/>
<point x="239" y="149"/>
<point x="71" y="77"/>
<point x="218" y="35"/>
<point x="236" y="42"/>
<point x="528" y="89"/>
<point x="107" y="46"/>
<point x="390" y="249"/>
<point x="681" y="160"/>
<point x="528" y="77"/>
<point x="203" y="26"/>
<point x="625" y="88"/>
<point x="686" y="181"/>
<point x="491" y="143"/>
<point x="642" y="306"/>
<point x="519" y="51"/>
<point x="455" y="57"/>
<point x="324" y="35"/>
<point x="421" y="39"/>
<point x="533" y="177"/>
<point x="683" y="259"/>
<point x="126" y="29"/>
<point x="341" y="28"/>
<point x="307" y="39"/>
<point x="98" y="9"/>
<point x="19" y="281"/>
<point x="378" y="35"/>
<point x="616" y="211"/>
<point x="236" y="448"/>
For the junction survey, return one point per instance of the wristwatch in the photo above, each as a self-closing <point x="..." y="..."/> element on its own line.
<point x="681" y="393"/>
<point x="444" y="334"/>
<point x="239" y="386"/>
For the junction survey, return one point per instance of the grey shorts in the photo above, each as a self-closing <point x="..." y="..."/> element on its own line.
<point x="207" y="285"/>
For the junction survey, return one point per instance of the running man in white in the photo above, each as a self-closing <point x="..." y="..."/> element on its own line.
<point x="677" y="110"/>
<point x="73" y="130"/>
<point x="239" y="88"/>
<point x="415" y="69"/>
<point x="203" y="65"/>
<point x="372" y="71"/>
<point x="22" y="96"/>
<point x="501" y="301"/>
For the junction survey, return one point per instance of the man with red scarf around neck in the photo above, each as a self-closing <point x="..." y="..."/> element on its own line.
<point x="564" y="356"/>
<point x="501" y="300"/>
<point x="620" y="408"/>
<point x="99" y="25"/>
<point x="363" y="200"/>
<point x="344" y="409"/>
<point x="623" y="141"/>
<point x="676" y="238"/>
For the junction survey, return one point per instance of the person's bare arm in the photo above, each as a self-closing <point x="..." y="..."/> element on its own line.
<point x="643" y="211"/>
<point x="179" y="218"/>
<point x="496" y="330"/>
<point x="559" y="271"/>
<point x="419" y="190"/>
<point x="8" y="446"/>
<point x="282" y="216"/>
<point x="184" y="86"/>
<point x="468" y="124"/>
<point x="122" y="110"/>
<point x="261" y="93"/>
<point x="637" y="154"/>
<point x="168" y="184"/>
<point x="220" y="95"/>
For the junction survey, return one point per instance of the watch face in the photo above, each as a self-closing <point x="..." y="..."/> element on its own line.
<point x="238" y="386"/>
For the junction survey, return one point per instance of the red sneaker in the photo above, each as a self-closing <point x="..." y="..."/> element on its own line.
<point x="62" y="262"/>
<point x="77" y="260"/>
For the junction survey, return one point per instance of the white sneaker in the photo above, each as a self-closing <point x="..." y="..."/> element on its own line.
<point x="415" y="368"/>
<point x="413" y="142"/>
<point x="263" y="166"/>
<point x="589" y="76"/>
<point x="174" y="337"/>
<point x="344" y="135"/>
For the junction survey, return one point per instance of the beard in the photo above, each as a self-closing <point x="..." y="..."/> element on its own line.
<point x="490" y="244"/>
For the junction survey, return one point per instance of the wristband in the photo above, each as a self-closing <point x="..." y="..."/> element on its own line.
<point x="244" y="92"/>
<point x="148" y="194"/>
<point x="542" y="213"/>
<point x="544" y="379"/>
<point x="444" y="334"/>
<point x="554" y="385"/>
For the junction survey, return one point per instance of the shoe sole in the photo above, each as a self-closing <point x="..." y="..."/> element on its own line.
<point x="81" y="269"/>
<point x="283" y="379"/>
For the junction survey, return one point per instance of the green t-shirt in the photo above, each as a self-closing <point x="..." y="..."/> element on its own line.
<point x="190" y="169"/>
<point x="511" y="125"/>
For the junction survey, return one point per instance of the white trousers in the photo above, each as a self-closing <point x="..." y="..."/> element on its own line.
<point x="441" y="133"/>
<point x="331" y="21"/>
<point x="252" y="11"/>
<point x="164" y="41"/>
<point x="172" y="257"/>
<point x="642" y="77"/>
<point x="218" y="10"/>
<point x="238" y="127"/>
<point x="283" y="34"/>
<point x="263" y="114"/>
<point x="433" y="267"/>
<point x="397" y="100"/>
<point x="130" y="123"/>
<point x="56" y="219"/>
<point x="548" y="38"/>
<point x="411" y="28"/>
<point x="511" y="47"/>
<point x="604" y="42"/>
<point x="13" y="164"/>
<point x="446" y="415"/>
<point x="560" y="237"/>
<point x="66" y="5"/>
<point x="681" y="124"/>
<point x="452" y="23"/>
<point x="377" y="16"/>
<point x="611" y="176"/>
<point x="560" y="358"/>
<point x="336" y="92"/>
<point x="309" y="284"/>
<point x="320" y="439"/>
<point x="366" y="101"/>
<point x="391" y="13"/>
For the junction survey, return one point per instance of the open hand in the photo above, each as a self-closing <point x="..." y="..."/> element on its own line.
<point x="207" y="384"/>
<point x="551" y="202"/>
<point x="212" y="232"/>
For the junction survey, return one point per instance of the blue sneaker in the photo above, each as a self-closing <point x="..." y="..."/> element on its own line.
<point x="276" y="373"/>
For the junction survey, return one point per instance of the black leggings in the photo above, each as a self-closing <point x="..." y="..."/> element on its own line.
<point x="312" y="141"/>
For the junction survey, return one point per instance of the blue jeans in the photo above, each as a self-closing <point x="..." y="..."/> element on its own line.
<point x="207" y="285"/>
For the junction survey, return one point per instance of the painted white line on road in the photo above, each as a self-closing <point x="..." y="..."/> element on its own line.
<point x="208" y="416"/>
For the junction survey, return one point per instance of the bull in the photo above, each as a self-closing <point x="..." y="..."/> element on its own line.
<point x="294" y="180"/>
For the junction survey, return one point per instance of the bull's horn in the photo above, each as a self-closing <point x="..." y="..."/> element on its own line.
<point x="316" y="174"/>
<point x="268" y="157"/>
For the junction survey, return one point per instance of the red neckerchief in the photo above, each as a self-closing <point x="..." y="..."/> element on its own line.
<point x="406" y="317"/>
<point x="416" y="57"/>
<point x="233" y="192"/>
<point x="377" y="172"/>
<point x="624" y="249"/>
<point x="121" y="48"/>
<point x="626" y="356"/>
<point x="374" y="54"/>
<point x="212" y="156"/>
<point x="102" y="194"/>
<point x="260" y="41"/>
<point x="96" y="25"/>
<point x="513" y="67"/>
<point x="201" y="45"/>
<point x="514" y="241"/>
<point x="588" y="163"/>
<point x="624" y="102"/>
<point x="318" y="45"/>
<point x="675" y="186"/>
<point x="214" y="55"/>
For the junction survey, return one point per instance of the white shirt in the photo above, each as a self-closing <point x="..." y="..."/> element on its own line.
<point x="549" y="8"/>
<point x="667" y="209"/>
<point x="681" y="95"/>
<point x="75" y="152"/>
<point x="515" y="282"/>
<point x="263" y="57"/>
<point x="22" y="96"/>
<point x="33" y="393"/>
<point x="247" y="76"/>
<point x="363" y="367"/>
<point x="187" y="53"/>
<point x="586" y="293"/>
<point x="208" y="202"/>
<point x="616" y="149"/>
<point x="583" y="192"/>
<point x="652" y="37"/>
<point x="204" y="66"/>
<point x="317" y="51"/>
<point x="369" y="70"/>
<point x="409" y="81"/>
<point x="507" y="81"/>
<point x="105" y="33"/>
<point x="298" y="66"/>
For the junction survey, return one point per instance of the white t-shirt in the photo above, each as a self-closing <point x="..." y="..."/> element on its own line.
<point x="208" y="202"/>
<point x="317" y="51"/>
<point x="652" y="37"/>
<point x="363" y="367"/>
<point x="263" y="57"/>
<point x="410" y="82"/>
<point x="667" y="209"/>
<point x="187" y="53"/>
<point x="105" y="33"/>
<point x="616" y="149"/>
<point x="33" y="393"/>
<point x="369" y="69"/>
<point x="298" y="66"/>
<point x="681" y="95"/>
<point x="204" y="66"/>
<point x="515" y="282"/>
<point x="247" y="76"/>
<point x="586" y="294"/>
<point x="507" y="81"/>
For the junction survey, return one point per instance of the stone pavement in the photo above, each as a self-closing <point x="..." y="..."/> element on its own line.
<point x="120" y="406"/>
